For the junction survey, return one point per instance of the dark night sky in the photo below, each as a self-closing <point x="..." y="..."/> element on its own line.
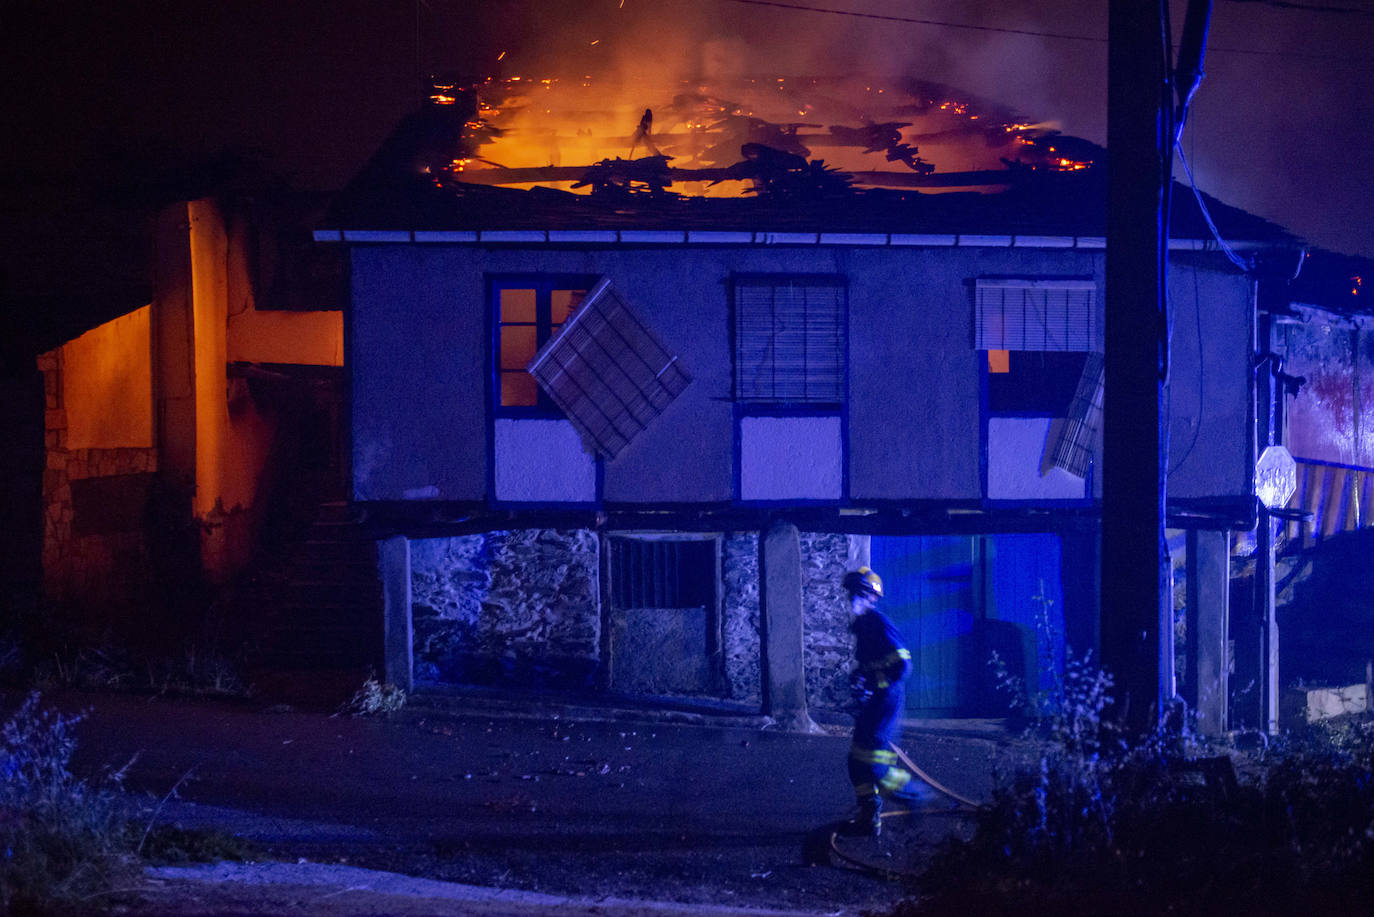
<point x="314" y="86"/>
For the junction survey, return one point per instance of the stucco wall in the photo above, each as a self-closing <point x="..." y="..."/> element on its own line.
<point x="1209" y="394"/>
<point x="416" y="348"/>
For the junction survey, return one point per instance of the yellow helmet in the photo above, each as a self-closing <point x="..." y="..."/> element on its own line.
<point x="864" y="581"/>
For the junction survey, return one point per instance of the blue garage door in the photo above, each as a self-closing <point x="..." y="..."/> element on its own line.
<point x="957" y="599"/>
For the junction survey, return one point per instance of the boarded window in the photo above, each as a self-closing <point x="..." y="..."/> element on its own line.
<point x="789" y="340"/>
<point x="1035" y="315"/>
<point x="662" y="574"/>
<point x="607" y="372"/>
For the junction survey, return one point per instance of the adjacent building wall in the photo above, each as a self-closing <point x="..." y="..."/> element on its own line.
<point x="1332" y="417"/>
<point x="97" y="492"/>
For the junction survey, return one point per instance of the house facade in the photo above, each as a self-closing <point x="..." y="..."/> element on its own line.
<point x="633" y="451"/>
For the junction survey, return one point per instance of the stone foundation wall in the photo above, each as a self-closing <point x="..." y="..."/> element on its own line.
<point x="81" y="562"/>
<point x="508" y="607"/>
<point x="740" y="614"/>
<point x="523" y="608"/>
<point x="827" y="643"/>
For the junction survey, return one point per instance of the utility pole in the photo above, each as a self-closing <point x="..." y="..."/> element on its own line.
<point x="1137" y="608"/>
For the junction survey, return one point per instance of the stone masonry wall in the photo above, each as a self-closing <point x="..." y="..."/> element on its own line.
<point x="509" y="607"/>
<point x="827" y="642"/>
<point x="108" y="567"/>
<point x="522" y="608"/>
<point x="740" y="613"/>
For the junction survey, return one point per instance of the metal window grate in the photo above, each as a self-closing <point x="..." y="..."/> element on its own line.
<point x="1035" y="315"/>
<point x="662" y="574"/>
<point x="607" y="372"/>
<point x="789" y="342"/>
<point x="1073" y="450"/>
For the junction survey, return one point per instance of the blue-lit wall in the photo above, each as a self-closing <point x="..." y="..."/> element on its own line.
<point x="419" y="341"/>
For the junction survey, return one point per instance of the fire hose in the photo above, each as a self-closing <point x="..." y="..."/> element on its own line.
<point x="919" y="772"/>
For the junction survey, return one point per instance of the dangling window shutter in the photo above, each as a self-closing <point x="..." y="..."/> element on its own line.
<point x="1073" y="450"/>
<point x="1035" y="315"/>
<point x="607" y="372"/>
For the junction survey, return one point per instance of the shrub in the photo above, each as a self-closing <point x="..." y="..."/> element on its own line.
<point x="60" y="838"/>
<point x="1093" y="824"/>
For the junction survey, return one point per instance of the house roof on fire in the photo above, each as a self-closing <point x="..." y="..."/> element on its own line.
<point x="408" y="186"/>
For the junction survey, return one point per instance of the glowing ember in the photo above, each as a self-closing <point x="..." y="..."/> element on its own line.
<point x="714" y="138"/>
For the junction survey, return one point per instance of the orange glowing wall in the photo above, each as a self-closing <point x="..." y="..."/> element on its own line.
<point x="107" y="385"/>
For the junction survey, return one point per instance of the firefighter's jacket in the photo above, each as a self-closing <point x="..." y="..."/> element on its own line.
<point x="884" y="663"/>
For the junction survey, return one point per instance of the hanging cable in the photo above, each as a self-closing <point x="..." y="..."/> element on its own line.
<point x="1230" y="253"/>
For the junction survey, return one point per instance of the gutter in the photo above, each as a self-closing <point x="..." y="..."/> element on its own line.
<point x="744" y="237"/>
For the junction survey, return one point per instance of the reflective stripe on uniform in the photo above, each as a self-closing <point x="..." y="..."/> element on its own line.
<point x="894" y="780"/>
<point x="903" y="654"/>
<point x="865" y="790"/>
<point x="872" y="755"/>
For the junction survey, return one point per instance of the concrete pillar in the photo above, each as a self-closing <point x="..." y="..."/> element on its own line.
<point x="780" y="600"/>
<point x="1206" y="677"/>
<point x="393" y="561"/>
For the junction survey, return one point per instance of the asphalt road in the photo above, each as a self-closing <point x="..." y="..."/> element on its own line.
<point x="580" y="803"/>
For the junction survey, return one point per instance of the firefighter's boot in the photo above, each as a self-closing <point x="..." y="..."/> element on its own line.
<point x="869" y="821"/>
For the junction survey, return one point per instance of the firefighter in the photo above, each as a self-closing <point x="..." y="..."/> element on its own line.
<point x="882" y="664"/>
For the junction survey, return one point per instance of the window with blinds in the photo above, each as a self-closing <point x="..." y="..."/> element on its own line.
<point x="607" y="372"/>
<point x="789" y="340"/>
<point x="1044" y="315"/>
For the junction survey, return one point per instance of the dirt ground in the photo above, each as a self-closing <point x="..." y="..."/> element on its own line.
<point x="606" y="812"/>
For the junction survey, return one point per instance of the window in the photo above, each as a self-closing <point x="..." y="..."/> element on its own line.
<point x="607" y="372"/>
<point x="528" y="311"/>
<point x="662" y="573"/>
<point x="1044" y="382"/>
<point x="789" y="340"/>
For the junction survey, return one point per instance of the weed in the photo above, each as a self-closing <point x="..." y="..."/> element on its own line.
<point x="60" y="838"/>
<point x="375" y="699"/>
<point x="1096" y="824"/>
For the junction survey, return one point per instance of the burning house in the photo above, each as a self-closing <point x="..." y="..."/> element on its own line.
<point x="632" y="386"/>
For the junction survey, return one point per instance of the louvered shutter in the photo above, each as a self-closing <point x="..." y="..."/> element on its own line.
<point x="1035" y="315"/>
<point x="789" y="342"/>
<point x="1073" y="449"/>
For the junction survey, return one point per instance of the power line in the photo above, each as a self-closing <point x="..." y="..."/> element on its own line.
<point x="1064" y="36"/>
<point x="935" y="22"/>
<point x="1310" y="7"/>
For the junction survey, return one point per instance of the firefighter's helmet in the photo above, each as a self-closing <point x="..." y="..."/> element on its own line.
<point x="864" y="581"/>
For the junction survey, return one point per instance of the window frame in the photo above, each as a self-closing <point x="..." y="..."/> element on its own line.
<point x="544" y="285"/>
<point x="1032" y="282"/>
<point x="743" y="409"/>
<point x="780" y="407"/>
